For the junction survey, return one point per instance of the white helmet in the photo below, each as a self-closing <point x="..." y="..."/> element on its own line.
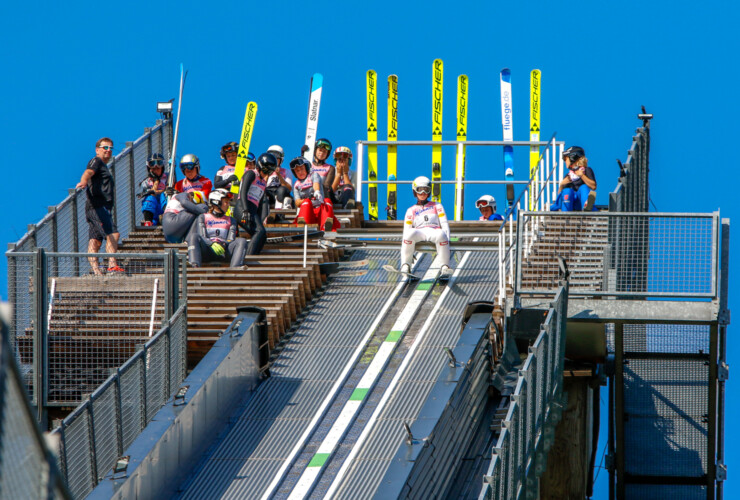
<point x="277" y="151"/>
<point x="422" y="185"/>
<point x="216" y="196"/>
<point x="486" y="201"/>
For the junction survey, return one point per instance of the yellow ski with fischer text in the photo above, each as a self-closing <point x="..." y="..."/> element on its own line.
<point x="241" y="159"/>
<point x="391" y="211"/>
<point x="462" y="135"/>
<point x="372" y="151"/>
<point x="437" y="85"/>
<point x="534" y="130"/>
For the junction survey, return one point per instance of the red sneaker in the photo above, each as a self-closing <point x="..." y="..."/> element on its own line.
<point x="116" y="269"/>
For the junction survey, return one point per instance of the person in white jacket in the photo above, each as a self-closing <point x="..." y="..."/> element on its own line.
<point x="425" y="221"/>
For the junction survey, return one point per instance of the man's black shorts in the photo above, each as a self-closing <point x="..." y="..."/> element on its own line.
<point x="100" y="222"/>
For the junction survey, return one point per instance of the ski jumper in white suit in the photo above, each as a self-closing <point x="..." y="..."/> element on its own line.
<point x="426" y="222"/>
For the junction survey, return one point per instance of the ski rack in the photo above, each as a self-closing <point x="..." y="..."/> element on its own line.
<point x="551" y="158"/>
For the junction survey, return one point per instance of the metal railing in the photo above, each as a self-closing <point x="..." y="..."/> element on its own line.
<point x="72" y="327"/>
<point x="27" y="468"/>
<point x="95" y="435"/>
<point x="631" y="193"/>
<point x="540" y="182"/>
<point x="64" y="228"/>
<point x="625" y="255"/>
<point x="520" y="454"/>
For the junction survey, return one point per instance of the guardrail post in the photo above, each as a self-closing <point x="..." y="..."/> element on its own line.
<point x="169" y="280"/>
<point x="91" y="440"/>
<point x="12" y="294"/>
<point x="40" y="334"/>
<point x="360" y="166"/>
<point x="132" y="187"/>
<point x="75" y="231"/>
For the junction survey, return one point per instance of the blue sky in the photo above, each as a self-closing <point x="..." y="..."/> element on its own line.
<point x="74" y="72"/>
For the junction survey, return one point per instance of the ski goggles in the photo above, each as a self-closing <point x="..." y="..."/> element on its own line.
<point x="482" y="204"/>
<point x="251" y="158"/>
<point x="188" y="166"/>
<point x="230" y="149"/>
<point x="155" y="163"/>
<point x="423" y="189"/>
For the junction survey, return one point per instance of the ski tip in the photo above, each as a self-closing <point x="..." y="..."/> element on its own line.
<point x="371" y="72"/>
<point x="317" y="81"/>
<point x="506" y="74"/>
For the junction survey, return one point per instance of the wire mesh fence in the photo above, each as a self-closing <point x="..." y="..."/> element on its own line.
<point x="96" y="434"/>
<point x="521" y="450"/>
<point x="27" y="468"/>
<point x="76" y="327"/>
<point x="619" y="254"/>
<point x="631" y="193"/>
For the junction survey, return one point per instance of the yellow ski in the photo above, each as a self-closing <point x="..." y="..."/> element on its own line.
<point x="241" y="159"/>
<point x="534" y="130"/>
<point x="391" y="210"/>
<point x="462" y="135"/>
<point x="372" y="151"/>
<point x="437" y="83"/>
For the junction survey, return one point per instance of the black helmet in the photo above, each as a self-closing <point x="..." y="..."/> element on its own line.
<point x="323" y="143"/>
<point x="300" y="160"/>
<point x="574" y="152"/>
<point x="155" y="159"/>
<point x="267" y="163"/>
<point x="229" y="147"/>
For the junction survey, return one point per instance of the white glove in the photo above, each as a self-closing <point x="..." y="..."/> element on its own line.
<point x="316" y="201"/>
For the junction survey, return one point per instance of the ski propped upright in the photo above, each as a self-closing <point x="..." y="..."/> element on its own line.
<point x="392" y="209"/>
<point x="372" y="151"/>
<point x="462" y="135"/>
<point x="173" y="159"/>
<point x="534" y="129"/>
<point x="437" y="94"/>
<point x="312" y="122"/>
<point x="508" y="126"/>
<point x="250" y="115"/>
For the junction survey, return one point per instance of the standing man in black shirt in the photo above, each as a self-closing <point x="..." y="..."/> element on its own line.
<point x="99" y="205"/>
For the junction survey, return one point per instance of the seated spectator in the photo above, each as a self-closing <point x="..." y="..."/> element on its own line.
<point x="193" y="181"/>
<point x="321" y="152"/>
<point x="577" y="190"/>
<point x="343" y="185"/>
<point x="180" y="213"/>
<point x="252" y="205"/>
<point x="226" y="175"/>
<point x="280" y="182"/>
<point x="214" y="237"/>
<point x="487" y="206"/>
<point x="308" y="194"/>
<point x="152" y="190"/>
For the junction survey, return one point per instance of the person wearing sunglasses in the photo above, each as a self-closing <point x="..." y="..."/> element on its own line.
<point x="100" y="189"/>
<point x="152" y="190"/>
<point x="577" y="190"/>
<point x="343" y="187"/>
<point x="425" y="221"/>
<point x="487" y="206"/>
<point x="193" y="181"/>
<point x="226" y="174"/>
<point x="214" y="234"/>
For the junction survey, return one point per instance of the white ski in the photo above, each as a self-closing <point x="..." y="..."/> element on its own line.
<point x="392" y="269"/>
<point x="312" y="123"/>
<point x="508" y="126"/>
<point x="173" y="159"/>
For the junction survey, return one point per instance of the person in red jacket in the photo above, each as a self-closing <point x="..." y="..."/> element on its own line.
<point x="193" y="181"/>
